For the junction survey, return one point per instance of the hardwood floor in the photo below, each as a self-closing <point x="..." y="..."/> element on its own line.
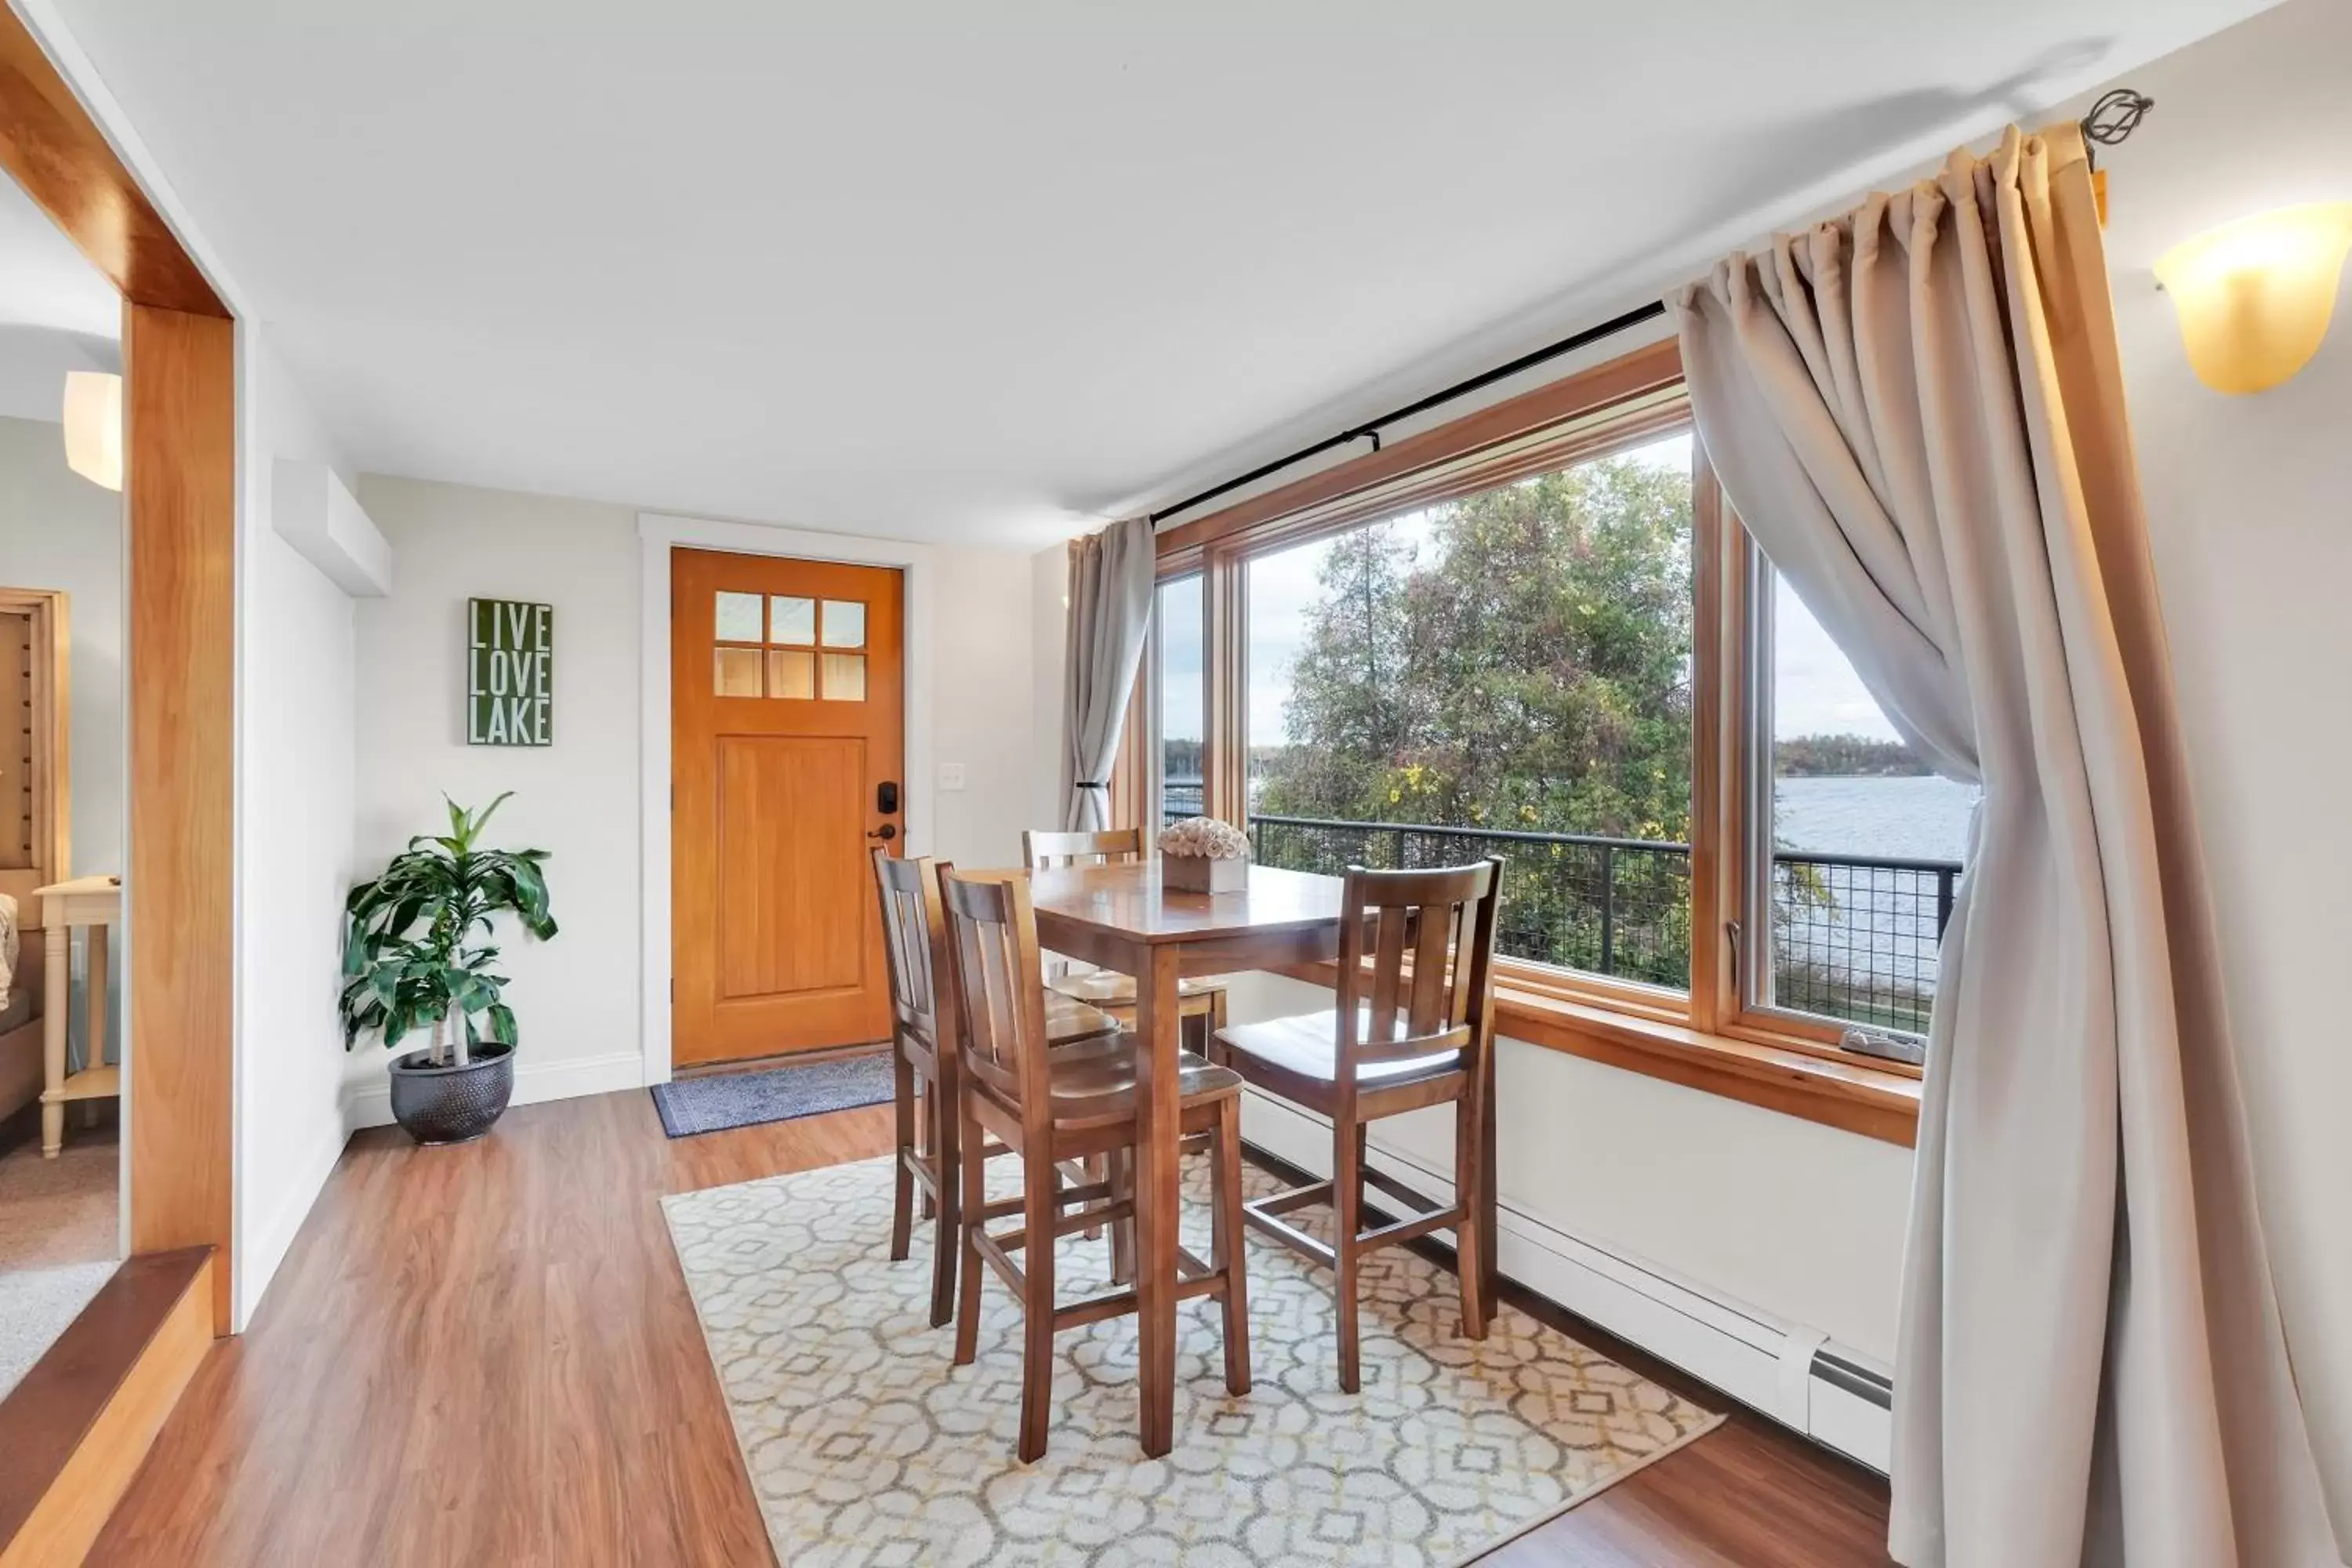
<point x="486" y="1355"/>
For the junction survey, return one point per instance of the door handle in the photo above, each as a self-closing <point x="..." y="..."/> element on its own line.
<point x="885" y="833"/>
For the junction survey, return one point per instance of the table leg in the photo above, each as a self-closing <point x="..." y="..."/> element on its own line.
<point x="1158" y="1109"/>
<point x="56" y="998"/>
<point x="1489" y="1238"/>
<point x="96" y="983"/>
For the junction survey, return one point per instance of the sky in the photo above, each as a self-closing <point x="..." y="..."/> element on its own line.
<point x="1815" y="688"/>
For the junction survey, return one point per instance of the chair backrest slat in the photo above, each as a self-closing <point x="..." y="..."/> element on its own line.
<point x="915" y="937"/>
<point x="1433" y="964"/>
<point x="1448" y="917"/>
<point x="992" y="948"/>
<point x="1388" y="966"/>
<point x="1052" y="851"/>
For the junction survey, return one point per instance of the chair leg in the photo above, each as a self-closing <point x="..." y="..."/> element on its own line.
<point x="1216" y="1023"/>
<point x="1038" y="1211"/>
<point x="947" y="1159"/>
<point x="1122" y="1231"/>
<point x="1097" y="1170"/>
<point x="1227" y="1247"/>
<point x="1469" y="1249"/>
<point x="927" y="1125"/>
<point x="969" y="1264"/>
<point x="1347" y="1201"/>
<point x="902" y="1197"/>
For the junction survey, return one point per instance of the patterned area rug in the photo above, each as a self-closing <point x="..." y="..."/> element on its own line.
<point x="718" y="1102"/>
<point x="865" y="1447"/>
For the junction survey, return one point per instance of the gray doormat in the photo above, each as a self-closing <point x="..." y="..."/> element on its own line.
<point x="714" y="1104"/>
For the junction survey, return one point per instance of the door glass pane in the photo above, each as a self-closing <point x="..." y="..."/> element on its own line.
<point x="1181" y="687"/>
<point x="791" y="672"/>
<point x="791" y="621"/>
<point x="1508" y="673"/>
<point x="845" y="677"/>
<point x="1865" y="842"/>
<point x="844" y="623"/>
<point x="737" y="618"/>
<point x="738" y="672"/>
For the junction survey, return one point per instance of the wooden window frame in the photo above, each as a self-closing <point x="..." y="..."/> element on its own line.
<point x="1714" y="1038"/>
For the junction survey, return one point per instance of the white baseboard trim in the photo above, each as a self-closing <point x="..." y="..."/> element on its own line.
<point x="535" y="1082"/>
<point x="259" y="1253"/>
<point x="1750" y="1355"/>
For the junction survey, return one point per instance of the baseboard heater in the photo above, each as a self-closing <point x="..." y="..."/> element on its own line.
<point x="1836" y="1396"/>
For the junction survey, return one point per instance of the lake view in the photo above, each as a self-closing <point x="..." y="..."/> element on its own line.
<point x="1924" y="818"/>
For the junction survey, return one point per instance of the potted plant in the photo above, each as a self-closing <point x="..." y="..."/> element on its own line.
<point x="410" y="964"/>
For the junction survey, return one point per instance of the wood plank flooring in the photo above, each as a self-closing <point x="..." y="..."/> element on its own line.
<point x="487" y="1355"/>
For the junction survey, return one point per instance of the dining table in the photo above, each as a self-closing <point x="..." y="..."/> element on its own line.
<point x="1121" y="917"/>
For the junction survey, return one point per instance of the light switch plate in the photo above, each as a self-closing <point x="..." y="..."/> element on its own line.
<point x="952" y="775"/>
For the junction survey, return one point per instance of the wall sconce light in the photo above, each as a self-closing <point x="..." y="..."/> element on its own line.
<point x="93" y="421"/>
<point x="2254" y="296"/>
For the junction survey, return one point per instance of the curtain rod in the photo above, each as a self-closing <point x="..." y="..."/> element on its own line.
<point x="1371" y="427"/>
<point x="2112" y="118"/>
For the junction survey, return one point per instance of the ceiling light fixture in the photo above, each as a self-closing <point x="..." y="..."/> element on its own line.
<point x="93" y="421"/>
<point x="2254" y="296"/>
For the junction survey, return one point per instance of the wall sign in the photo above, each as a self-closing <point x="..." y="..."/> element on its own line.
<point x="509" y="673"/>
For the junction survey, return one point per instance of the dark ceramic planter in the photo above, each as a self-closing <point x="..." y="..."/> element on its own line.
<point x="452" y="1104"/>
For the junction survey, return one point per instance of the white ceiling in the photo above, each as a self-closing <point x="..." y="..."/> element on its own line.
<point x="947" y="270"/>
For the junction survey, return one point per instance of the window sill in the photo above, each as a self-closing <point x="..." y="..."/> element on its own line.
<point x="1851" y="1096"/>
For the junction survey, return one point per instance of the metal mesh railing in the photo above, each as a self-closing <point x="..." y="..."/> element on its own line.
<point x="1853" y="938"/>
<point x="1856" y="938"/>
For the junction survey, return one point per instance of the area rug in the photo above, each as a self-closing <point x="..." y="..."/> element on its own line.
<point x="865" y="1447"/>
<point x="721" y="1101"/>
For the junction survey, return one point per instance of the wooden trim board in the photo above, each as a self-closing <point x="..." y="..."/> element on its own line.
<point x="61" y="158"/>
<point x="179" y="432"/>
<point x="77" y="1428"/>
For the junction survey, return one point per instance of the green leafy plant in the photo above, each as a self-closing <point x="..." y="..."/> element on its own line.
<point x="409" y="960"/>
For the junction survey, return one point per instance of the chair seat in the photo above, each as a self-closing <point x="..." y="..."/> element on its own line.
<point x="1069" y="1020"/>
<point x="1282" y="1054"/>
<point x="1070" y="1024"/>
<point x="1094" y="1084"/>
<point x="1109" y="987"/>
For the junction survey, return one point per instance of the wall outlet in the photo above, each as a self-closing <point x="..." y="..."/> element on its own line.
<point x="952" y="775"/>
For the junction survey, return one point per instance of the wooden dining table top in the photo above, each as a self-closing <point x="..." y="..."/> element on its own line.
<point x="1128" y="902"/>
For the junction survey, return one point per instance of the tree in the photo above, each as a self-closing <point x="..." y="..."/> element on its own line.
<point x="1530" y="670"/>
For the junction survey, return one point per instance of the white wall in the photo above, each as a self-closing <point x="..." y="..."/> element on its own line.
<point x="295" y="798"/>
<point x="1049" y="596"/>
<point x="59" y="531"/>
<point x="2251" y="526"/>
<point x="578" y="996"/>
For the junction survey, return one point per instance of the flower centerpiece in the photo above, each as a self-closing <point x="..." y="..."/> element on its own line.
<point x="1201" y="855"/>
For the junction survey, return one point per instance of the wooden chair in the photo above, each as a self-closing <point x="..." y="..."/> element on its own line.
<point x="1052" y="1106"/>
<point x="1200" y="1001"/>
<point x="1397" y="1041"/>
<point x="924" y="1063"/>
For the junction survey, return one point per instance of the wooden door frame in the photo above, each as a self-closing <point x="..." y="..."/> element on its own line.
<point x="659" y="533"/>
<point x="181" y="419"/>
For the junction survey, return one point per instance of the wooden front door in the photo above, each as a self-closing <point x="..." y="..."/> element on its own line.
<point x="787" y="713"/>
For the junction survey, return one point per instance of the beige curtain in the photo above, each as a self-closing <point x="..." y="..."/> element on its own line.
<point x="1918" y="412"/>
<point x="1111" y="576"/>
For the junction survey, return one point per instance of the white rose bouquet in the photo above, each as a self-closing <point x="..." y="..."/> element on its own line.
<point x="1201" y="855"/>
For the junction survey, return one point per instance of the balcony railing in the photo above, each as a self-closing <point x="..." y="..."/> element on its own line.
<point x="1853" y="937"/>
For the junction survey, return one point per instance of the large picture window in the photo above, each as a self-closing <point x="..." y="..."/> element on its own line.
<point x="1538" y="634"/>
<point x="1506" y="672"/>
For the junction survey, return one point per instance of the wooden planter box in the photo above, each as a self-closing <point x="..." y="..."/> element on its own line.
<point x="1199" y="874"/>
